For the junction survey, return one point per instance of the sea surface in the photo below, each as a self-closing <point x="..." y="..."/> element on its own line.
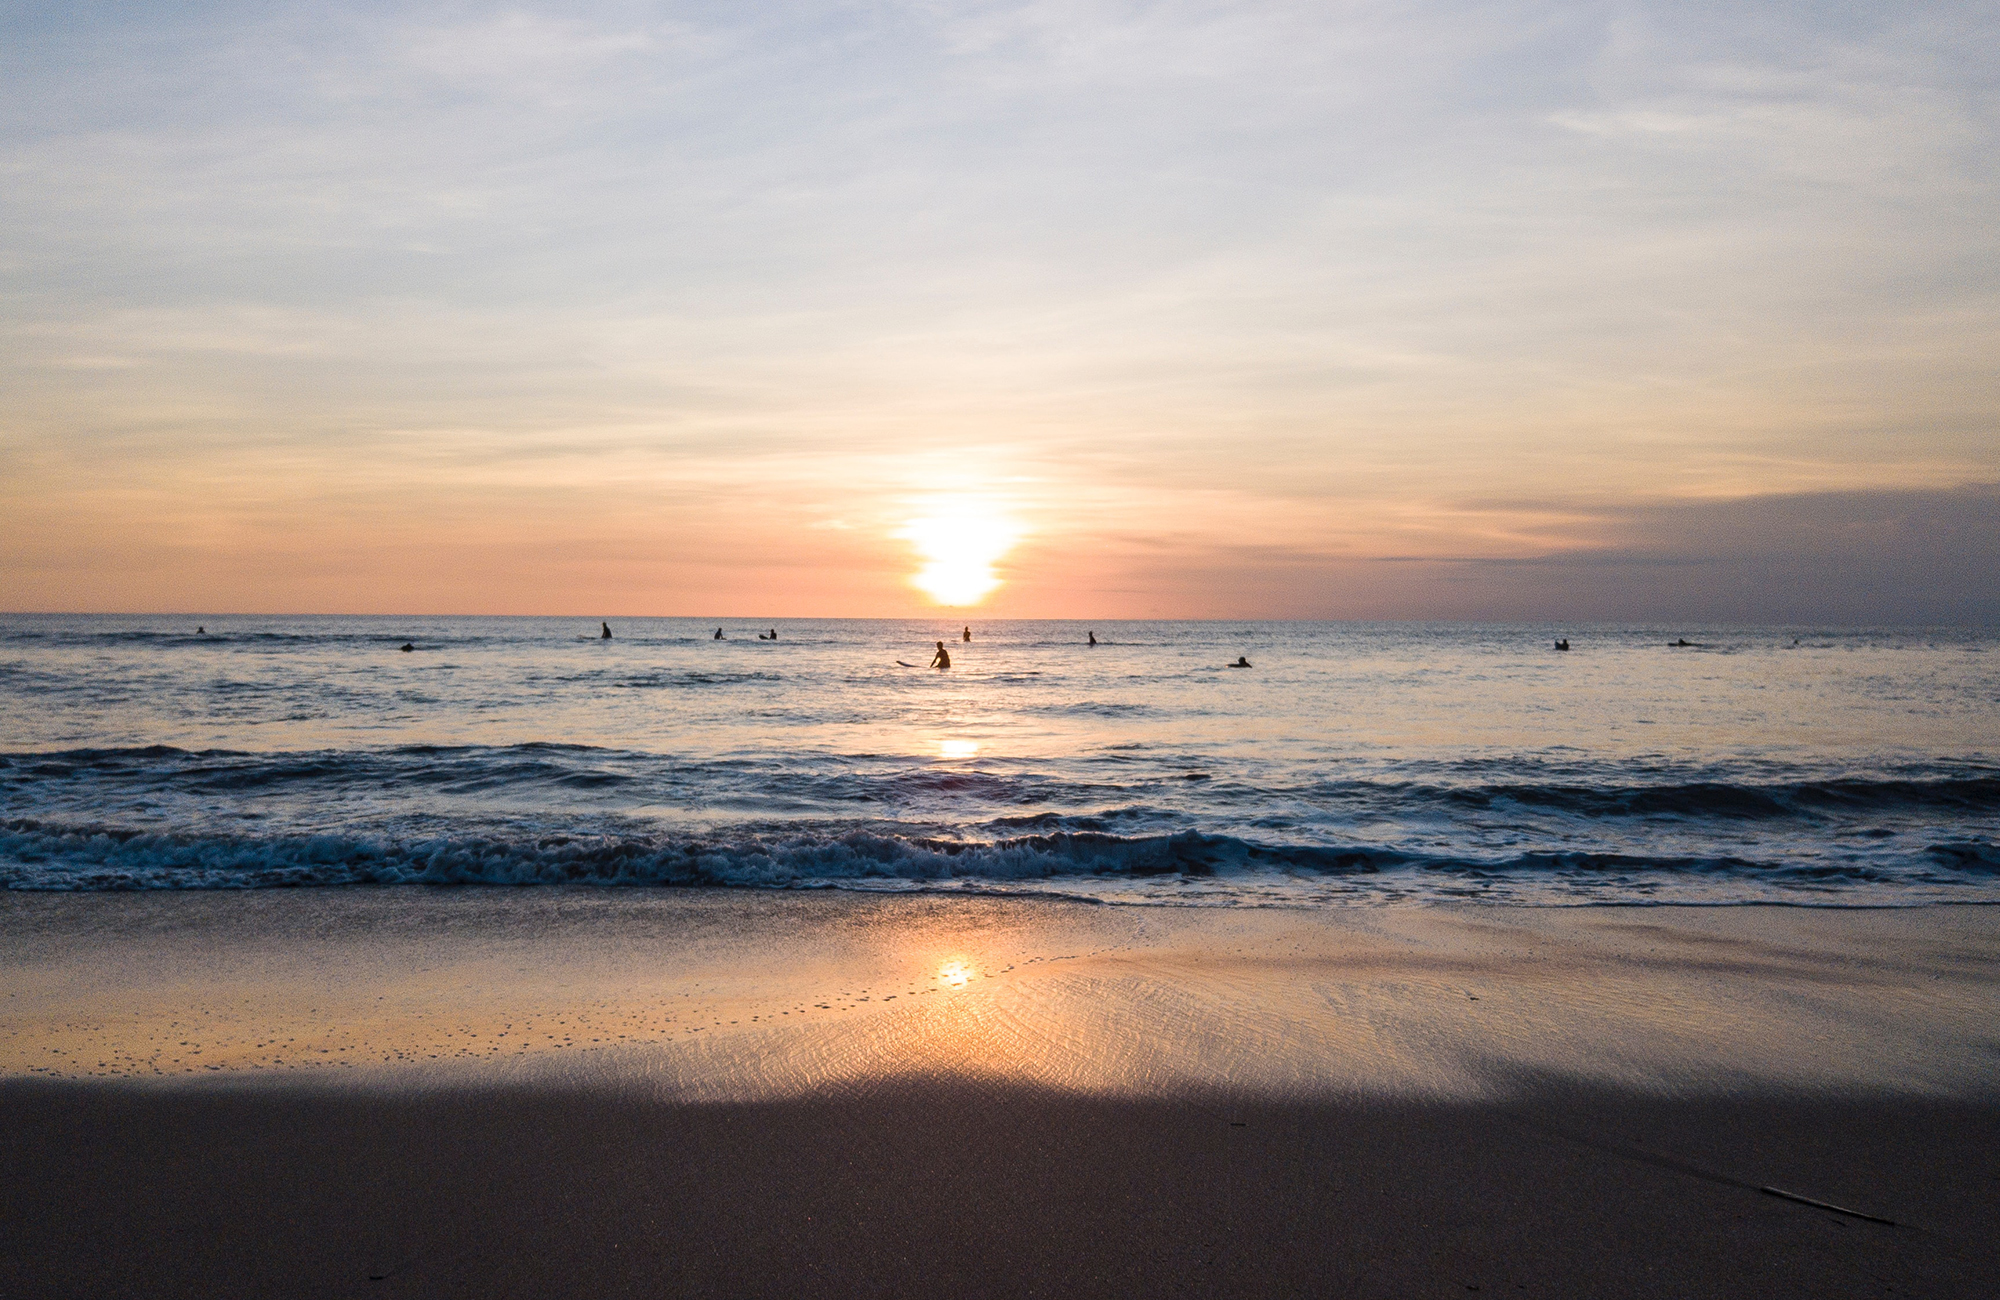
<point x="1351" y="762"/>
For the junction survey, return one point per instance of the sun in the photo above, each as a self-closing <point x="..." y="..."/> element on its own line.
<point x="958" y="541"/>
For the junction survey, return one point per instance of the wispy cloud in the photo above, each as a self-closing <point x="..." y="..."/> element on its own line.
<point x="1174" y="272"/>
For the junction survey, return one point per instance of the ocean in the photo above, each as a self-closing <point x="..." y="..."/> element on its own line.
<point x="1350" y="762"/>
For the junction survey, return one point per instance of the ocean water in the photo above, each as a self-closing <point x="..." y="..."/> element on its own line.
<point x="1350" y="762"/>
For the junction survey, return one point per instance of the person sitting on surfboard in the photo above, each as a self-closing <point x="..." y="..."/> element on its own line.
<point x="606" y="636"/>
<point x="718" y="634"/>
<point x="942" y="659"/>
<point x="968" y="632"/>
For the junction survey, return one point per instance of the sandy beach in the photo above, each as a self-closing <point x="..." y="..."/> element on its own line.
<point x="489" y="1092"/>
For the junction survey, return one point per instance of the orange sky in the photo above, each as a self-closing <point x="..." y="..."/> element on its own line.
<point x="1266" y="309"/>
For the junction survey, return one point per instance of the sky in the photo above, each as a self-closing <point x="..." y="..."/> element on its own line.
<point x="1508" y="310"/>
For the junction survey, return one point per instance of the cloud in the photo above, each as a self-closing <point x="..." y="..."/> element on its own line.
<point x="1180" y="272"/>
<point x="1868" y="557"/>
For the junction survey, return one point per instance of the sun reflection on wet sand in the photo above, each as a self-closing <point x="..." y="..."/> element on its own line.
<point x="688" y="994"/>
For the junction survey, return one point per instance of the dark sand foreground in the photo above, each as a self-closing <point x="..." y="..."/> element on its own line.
<point x="1058" y="1101"/>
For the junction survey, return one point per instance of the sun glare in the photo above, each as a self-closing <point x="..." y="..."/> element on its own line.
<point x="959" y="540"/>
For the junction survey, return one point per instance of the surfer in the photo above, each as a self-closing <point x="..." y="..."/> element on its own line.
<point x="1241" y="662"/>
<point x="406" y="647"/>
<point x="202" y="631"/>
<point x="1682" y="642"/>
<point x="968" y="632"/>
<point x="942" y="659"/>
<point x="1093" y="638"/>
<point x="718" y="634"/>
<point x="1563" y="644"/>
<point x="773" y="636"/>
<point x="606" y="634"/>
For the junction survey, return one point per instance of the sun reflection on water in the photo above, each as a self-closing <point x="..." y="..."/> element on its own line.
<point x="958" y="748"/>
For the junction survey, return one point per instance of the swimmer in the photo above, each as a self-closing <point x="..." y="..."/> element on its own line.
<point x="606" y="634"/>
<point x="942" y="659"/>
<point x="1242" y="662"/>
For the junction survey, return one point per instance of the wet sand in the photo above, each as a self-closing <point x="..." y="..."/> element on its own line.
<point x="397" y="1092"/>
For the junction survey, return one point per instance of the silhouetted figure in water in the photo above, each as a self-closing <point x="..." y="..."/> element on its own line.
<point x="774" y="635"/>
<point x="1682" y="642"/>
<point x="942" y="659"/>
<point x="1241" y="662"/>
<point x="1093" y="638"/>
<point x="968" y="632"/>
<point x="606" y="634"/>
<point x="718" y="634"/>
<point x="407" y="647"/>
<point x="1563" y="644"/>
<point x="202" y="631"/>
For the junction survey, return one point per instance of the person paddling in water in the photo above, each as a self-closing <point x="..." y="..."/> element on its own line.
<point x="1241" y="662"/>
<point x="942" y="659"/>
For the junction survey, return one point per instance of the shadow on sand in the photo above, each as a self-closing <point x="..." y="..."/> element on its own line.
<point x="957" y="1189"/>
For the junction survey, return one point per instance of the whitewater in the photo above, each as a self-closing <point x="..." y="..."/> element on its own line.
<point x="1350" y="762"/>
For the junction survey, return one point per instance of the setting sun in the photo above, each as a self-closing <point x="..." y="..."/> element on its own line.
<point x="959" y="540"/>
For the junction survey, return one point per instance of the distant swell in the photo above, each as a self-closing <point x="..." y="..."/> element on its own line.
<point x="1974" y="789"/>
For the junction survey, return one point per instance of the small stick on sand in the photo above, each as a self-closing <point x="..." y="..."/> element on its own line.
<point x="1823" y="1205"/>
